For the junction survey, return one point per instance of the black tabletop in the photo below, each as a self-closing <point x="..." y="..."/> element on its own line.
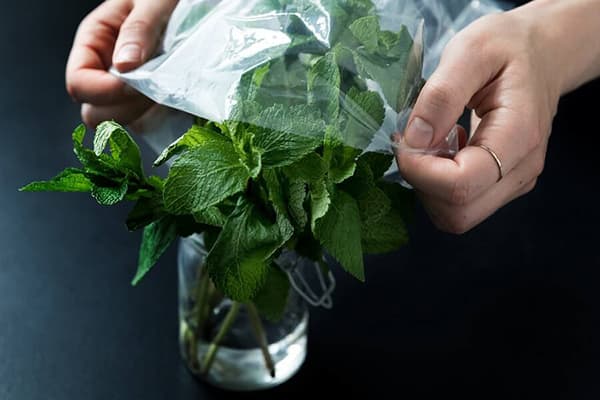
<point x="509" y="310"/>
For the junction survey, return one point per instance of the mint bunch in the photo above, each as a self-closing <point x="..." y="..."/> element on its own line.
<point x="288" y="169"/>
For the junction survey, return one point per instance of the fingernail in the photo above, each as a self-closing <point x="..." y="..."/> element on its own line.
<point x="419" y="134"/>
<point x="130" y="53"/>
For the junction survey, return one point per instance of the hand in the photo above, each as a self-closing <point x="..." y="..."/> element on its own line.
<point x="123" y="33"/>
<point x="501" y="69"/>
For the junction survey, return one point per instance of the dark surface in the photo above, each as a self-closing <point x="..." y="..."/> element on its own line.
<point x="509" y="311"/>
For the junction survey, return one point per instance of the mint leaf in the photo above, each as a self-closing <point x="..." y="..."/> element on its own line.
<point x="309" y="169"/>
<point x="339" y="232"/>
<point x="383" y="205"/>
<point x="297" y="193"/>
<point x="390" y="69"/>
<point x="204" y="176"/>
<point x="70" y="180"/>
<point x="249" y="155"/>
<point x="102" y="165"/>
<point x="378" y="163"/>
<point x="319" y="201"/>
<point x="403" y="200"/>
<point x="276" y="196"/>
<point x="366" y="30"/>
<point x="125" y="152"/>
<point x="364" y="112"/>
<point x="146" y="211"/>
<point x="341" y="158"/>
<point x="239" y="260"/>
<point x="272" y="299"/>
<point x="385" y="232"/>
<point x="109" y="195"/>
<point x="386" y="235"/>
<point x="324" y="82"/>
<point x="195" y="136"/>
<point x="212" y="216"/>
<point x="287" y="134"/>
<point x="157" y="237"/>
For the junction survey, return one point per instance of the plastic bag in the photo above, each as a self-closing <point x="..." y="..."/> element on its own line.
<point x="272" y="64"/>
<point x="340" y="73"/>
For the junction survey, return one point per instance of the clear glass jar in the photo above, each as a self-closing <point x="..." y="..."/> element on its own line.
<point x="228" y="344"/>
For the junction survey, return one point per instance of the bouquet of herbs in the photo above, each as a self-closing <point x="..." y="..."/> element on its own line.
<point x="289" y="169"/>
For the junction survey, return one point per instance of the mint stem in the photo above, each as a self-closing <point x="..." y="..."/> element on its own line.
<point x="261" y="336"/>
<point x="209" y="357"/>
<point x="202" y="299"/>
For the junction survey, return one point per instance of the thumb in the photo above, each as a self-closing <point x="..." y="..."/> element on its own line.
<point x="140" y="32"/>
<point x="460" y="75"/>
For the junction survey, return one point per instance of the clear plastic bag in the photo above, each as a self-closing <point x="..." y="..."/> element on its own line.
<point x="331" y="74"/>
<point x="265" y="63"/>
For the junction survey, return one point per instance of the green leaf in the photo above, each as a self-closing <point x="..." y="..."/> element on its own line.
<point x="146" y="211"/>
<point x="239" y="260"/>
<point x="109" y="195"/>
<point x="124" y="150"/>
<point x="157" y="237"/>
<point x="102" y="165"/>
<point x="249" y="155"/>
<point x="387" y="235"/>
<point x="297" y="193"/>
<point x="339" y="232"/>
<point x="366" y="30"/>
<point x="403" y="200"/>
<point x="341" y="158"/>
<point x="396" y="71"/>
<point x="255" y="82"/>
<point x="195" y="136"/>
<point x="212" y="216"/>
<point x="324" y="82"/>
<point x="364" y="112"/>
<point x="379" y="163"/>
<point x="309" y="169"/>
<point x="275" y="187"/>
<point x="70" y="180"/>
<point x="272" y="299"/>
<point x="285" y="135"/>
<point x="385" y="232"/>
<point x="319" y="201"/>
<point x="204" y="176"/>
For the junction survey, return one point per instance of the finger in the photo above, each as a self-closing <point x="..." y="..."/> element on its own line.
<point x="87" y="78"/>
<point x="140" y="33"/>
<point x="124" y="113"/>
<point x="474" y="169"/>
<point x="500" y="142"/>
<point x="459" y="219"/>
<point x="463" y="70"/>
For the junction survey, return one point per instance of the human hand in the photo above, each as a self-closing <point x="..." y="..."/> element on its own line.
<point x="123" y="33"/>
<point x="501" y="68"/>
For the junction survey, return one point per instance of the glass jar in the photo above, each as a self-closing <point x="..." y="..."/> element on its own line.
<point x="228" y="344"/>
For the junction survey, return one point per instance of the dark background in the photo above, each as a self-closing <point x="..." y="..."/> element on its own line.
<point x="509" y="310"/>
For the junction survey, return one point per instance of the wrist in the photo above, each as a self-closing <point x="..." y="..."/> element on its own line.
<point x="563" y="35"/>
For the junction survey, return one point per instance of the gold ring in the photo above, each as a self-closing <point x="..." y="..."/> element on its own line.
<point x="496" y="159"/>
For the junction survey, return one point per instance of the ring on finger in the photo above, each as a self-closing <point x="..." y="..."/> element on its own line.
<point x="496" y="159"/>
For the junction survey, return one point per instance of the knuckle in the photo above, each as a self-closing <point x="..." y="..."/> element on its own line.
<point x="460" y="194"/>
